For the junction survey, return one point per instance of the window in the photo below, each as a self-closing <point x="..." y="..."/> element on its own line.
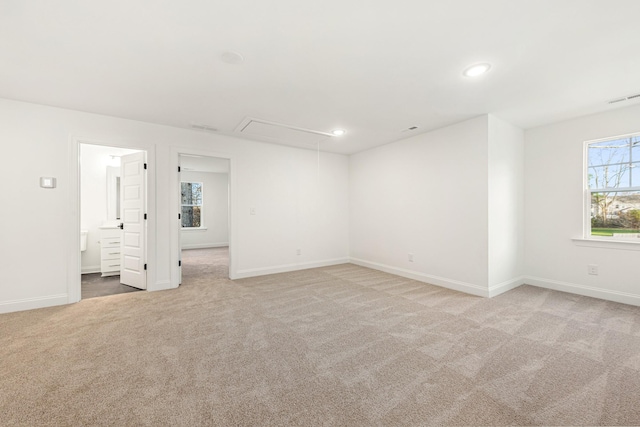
<point x="191" y="202"/>
<point x="613" y="187"/>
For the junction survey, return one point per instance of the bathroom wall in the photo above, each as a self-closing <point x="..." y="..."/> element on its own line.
<point x="215" y="211"/>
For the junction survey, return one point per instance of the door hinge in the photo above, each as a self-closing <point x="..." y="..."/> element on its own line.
<point x="145" y="266"/>
<point x="179" y="216"/>
<point x="179" y="263"/>
<point x="145" y="165"/>
<point x="145" y="216"/>
<point x="178" y="168"/>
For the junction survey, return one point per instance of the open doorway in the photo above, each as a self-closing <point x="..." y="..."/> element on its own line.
<point x="204" y="218"/>
<point x="112" y="183"/>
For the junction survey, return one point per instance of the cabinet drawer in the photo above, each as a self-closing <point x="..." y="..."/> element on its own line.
<point x="110" y="265"/>
<point x="110" y="253"/>
<point x="110" y="242"/>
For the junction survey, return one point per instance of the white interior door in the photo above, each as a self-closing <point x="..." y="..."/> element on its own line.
<point x="179" y="220"/>
<point x="132" y="208"/>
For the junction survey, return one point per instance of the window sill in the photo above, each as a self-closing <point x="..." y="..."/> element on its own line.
<point x="608" y="243"/>
<point x="194" y="228"/>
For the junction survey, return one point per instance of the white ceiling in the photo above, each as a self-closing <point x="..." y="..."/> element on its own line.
<point x="373" y="68"/>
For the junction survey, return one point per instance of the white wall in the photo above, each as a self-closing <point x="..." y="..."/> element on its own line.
<point x="426" y="195"/>
<point x="298" y="206"/>
<point x="506" y="205"/>
<point x="215" y="211"/>
<point x="304" y="208"/>
<point x="93" y="206"/>
<point x="442" y="196"/>
<point x="554" y="211"/>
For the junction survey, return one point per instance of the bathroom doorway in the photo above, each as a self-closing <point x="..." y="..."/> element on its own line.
<point x="112" y="196"/>
<point x="204" y="218"/>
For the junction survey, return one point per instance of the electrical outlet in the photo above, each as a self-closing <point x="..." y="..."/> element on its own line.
<point x="592" y="269"/>
<point x="298" y="251"/>
<point x="252" y="211"/>
<point x="410" y="257"/>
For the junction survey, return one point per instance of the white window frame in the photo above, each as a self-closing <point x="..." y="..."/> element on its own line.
<point x="201" y="205"/>
<point x="588" y="191"/>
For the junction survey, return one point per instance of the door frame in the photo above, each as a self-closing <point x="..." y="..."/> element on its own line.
<point x="74" y="266"/>
<point x="174" y="188"/>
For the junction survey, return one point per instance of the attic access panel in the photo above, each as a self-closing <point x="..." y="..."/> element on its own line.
<point x="281" y="133"/>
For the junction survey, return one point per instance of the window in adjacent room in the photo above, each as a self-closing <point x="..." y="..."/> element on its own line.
<point x="191" y="201"/>
<point x="613" y="187"/>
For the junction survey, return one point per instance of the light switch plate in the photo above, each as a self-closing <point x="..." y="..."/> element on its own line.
<point x="47" y="182"/>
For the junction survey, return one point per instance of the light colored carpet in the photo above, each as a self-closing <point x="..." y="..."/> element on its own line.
<point x="204" y="265"/>
<point x="341" y="345"/>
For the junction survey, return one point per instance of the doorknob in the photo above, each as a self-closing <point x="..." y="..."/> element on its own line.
<point x="121" y="226"/>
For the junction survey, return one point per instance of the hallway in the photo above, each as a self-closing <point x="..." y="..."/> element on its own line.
<point x="203" y="265"/>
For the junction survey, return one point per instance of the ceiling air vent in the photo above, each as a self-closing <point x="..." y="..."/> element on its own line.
<point x="201" y="126"/>
<point x="628" y="98"/>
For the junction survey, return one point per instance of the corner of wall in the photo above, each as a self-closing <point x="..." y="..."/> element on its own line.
<point x="505" y="205"/>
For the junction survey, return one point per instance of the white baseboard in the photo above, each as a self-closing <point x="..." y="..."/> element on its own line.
<point x="455" y="285"/>
<point x="253" y="272"/>
<point x="503" y="287"/>
<point x="205" y="245"/>
<point x="90" y="269"/>
<point x="32" y="303"/>
<point x="588" y="291"/>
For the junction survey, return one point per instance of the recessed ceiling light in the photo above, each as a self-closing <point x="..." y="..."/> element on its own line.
<point x="232" y="57"/>
<point x="338" y="132"/>
<point x="476" y="70"/>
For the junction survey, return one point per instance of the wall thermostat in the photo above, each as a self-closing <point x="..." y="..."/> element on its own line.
<point x="47" y="182"/>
